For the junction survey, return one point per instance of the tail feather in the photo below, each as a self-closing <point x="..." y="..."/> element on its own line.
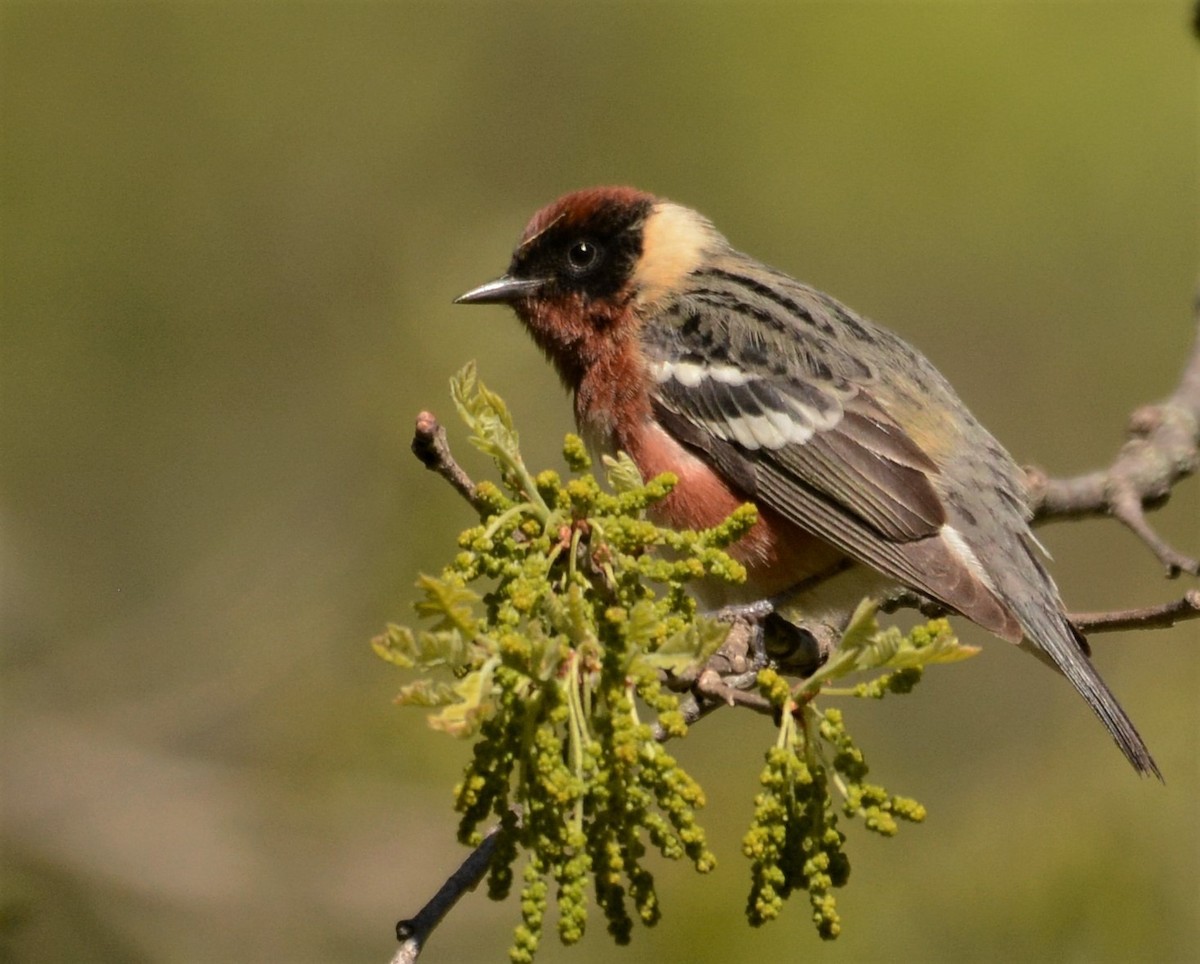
<point x="1028" y="590"/>
<point x="1052" y="638"/>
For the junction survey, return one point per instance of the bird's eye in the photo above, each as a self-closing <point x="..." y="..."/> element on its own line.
<point x="582" y="256"/>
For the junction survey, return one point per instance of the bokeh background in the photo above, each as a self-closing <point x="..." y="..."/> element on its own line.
<point x="231" y="235"/>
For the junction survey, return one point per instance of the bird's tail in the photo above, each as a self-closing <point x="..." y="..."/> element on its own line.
<point x="1052" y="638"/>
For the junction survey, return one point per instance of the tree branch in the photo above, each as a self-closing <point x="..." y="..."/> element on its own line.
<point x="431" y="446"/>
<point x="414" y="932"/>
<point x="1148" y="617"/>
<point x="1163" y="447"/>
<point x="1163" y="616"/>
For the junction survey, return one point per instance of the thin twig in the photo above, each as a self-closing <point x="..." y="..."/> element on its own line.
<point x="711" y="692"/>
<point x="907" y="599"/>
<point x="1163" y="616"/>
<point x="430" y="445"/>
<point x="413" y="932"/>
<point x="718" y="689"/>
<point x="1163" y="446"/>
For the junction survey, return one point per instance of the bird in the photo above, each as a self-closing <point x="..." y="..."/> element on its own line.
<point x="868" y="472"/>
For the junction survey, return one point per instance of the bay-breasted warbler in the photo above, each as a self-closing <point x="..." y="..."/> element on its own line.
<point x="867" y="470"/>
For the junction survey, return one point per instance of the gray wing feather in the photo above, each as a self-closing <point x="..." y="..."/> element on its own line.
<point x="799" y="430"/>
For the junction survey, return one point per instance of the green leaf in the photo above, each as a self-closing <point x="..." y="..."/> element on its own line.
<point x="560" y="616"/>
<point x="486" y="415"/>
<point x="397" y="646"/>
<point x="452" y="604"/>
<point x="923" y="646"/>
<point x="623" y="474"/>
<point x="470" y="704"/>
<point x="863" y="626"/>
<point x="426" y="692"/>
<point x="425" y="650"/>
<point x="690" y="646"/>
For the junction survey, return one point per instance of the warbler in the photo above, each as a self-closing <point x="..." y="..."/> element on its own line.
<point x="867" y="470"/>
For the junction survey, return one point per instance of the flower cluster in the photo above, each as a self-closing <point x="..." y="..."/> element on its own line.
<point x="551" y="670"/>
<point x="551" y="633"/>
<point x="794" y="842"/>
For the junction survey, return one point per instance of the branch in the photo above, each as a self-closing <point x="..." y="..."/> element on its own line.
<point x="732" y="691"/>
<point x="414" y="932"/>
<point x="1148" y="617"/>
<point x="430" y="445"/>
<point x="1163" y="616"/>
<point x="908" y="599"/>
<point x="1163" y="447"/>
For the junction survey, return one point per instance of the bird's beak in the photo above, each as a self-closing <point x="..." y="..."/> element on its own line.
<point x="503" y="291"/>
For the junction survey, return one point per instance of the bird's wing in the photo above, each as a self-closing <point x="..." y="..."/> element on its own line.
<point x="760" y="374"/>
<point x="820" y="450"/>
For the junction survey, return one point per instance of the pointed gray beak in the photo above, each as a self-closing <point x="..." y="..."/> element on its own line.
<point x="503" y="291"/>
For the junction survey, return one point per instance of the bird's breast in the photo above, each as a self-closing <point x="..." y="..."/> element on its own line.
<point x="777" y="554"/>
<point x="613" y="412"/>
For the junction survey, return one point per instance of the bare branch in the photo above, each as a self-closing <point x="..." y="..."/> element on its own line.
<point x="1163" y="616"/>
<point x="1148" y="617"/>
<point x="414" y="932"/>
<point x="1163" y="446"/>
<point x="713" y="692"/>
<point x="430" y="445"/>
<point x="907" y="599"/>
<point x="726" y="691"/>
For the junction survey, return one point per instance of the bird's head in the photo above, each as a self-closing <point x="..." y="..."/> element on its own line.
<point x="589" y="266"/>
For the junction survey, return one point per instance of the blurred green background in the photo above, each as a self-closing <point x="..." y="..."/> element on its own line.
<point x="231" y="235"/>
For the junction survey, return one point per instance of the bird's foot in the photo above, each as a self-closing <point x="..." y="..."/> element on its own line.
<point x="762" y="638"/>
<point x="746" y="646"/>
